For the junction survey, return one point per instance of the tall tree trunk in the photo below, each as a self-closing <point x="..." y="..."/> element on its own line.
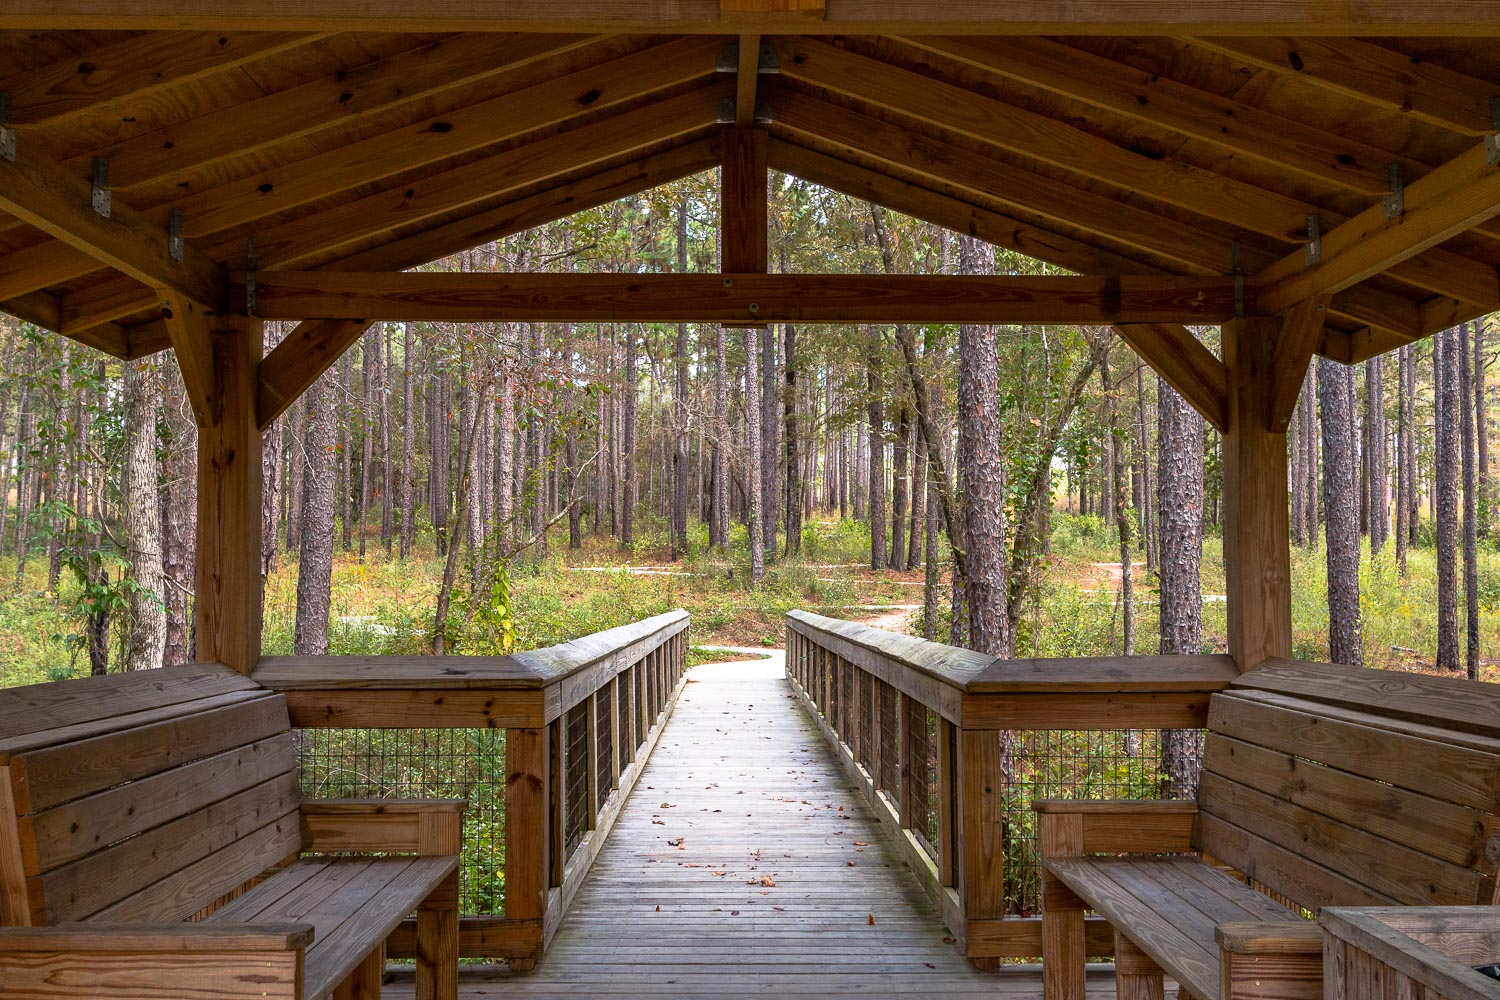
<point x="439" y="421"/>
<point x="876" y="415"/>
<point x="1405" y="455"/>
<point x="680" y="406"/>
<point x="1481" y="430"/>
<point x="754" y="488"/>
<point x="408" y="442"/>
<point x="918" y="496"/>
<point x="898" y="488"/>
<point x="272" y="456"/>
<point x="387" y="472"/>
<point x="1446" y="363"/>
<point x="1310" y="438"/>
<point x="1124" y="518"/>
<point x="371" y="398"/>
<point x="1179" y="505"/>
<point x="719" y="522"/>
<point x="1471" y="504"/>
<point x="179" y="513"/>
<point x="315" y="562"/>
<point x="1379" y="474"/>
<point x="793" y="469"/>
<point x="1296" y="470"/>
<point x="627" y="451"/>
<point x="770" y="452"/>
<point x="345" y="448"/>
<point x="1341" y="510"/>
<point x="982" y="469"/>
<point x="146" y="622"/>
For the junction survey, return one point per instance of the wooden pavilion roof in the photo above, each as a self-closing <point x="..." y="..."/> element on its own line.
<point x="379" y="142"/>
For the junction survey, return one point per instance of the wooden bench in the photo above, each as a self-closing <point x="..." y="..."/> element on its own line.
<point x="1322" y="786"/>
<point x="134" y="802"/>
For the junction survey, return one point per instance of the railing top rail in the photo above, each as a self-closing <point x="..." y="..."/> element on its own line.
<point x="527" y="671"/>
<point x="949" y="665"/>
<point x="1101" y="674"/>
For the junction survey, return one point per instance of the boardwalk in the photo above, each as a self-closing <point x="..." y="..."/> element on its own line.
<point x="746" y="865"/>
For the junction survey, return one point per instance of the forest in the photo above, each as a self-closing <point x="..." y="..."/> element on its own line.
<point x="482" y="488"/>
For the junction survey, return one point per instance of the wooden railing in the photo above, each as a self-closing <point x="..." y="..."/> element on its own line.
<point x="949" y="746"/>
<point x="580" y="720"/>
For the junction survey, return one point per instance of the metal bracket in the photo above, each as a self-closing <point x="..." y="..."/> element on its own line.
<point x="100" y="197"/>
<point x="728" y="60"/>
<point x="1395" y="202"/>
<point x="1492" y="139"/>
<point x="725" y="114"/>
<point x="1314" y="240"/>
<point x="7" y="134"/>
<point x="763" y="111"/>
<point x="1239" y="280"/>
<point x="174" y="234"/>
<point x="250" y="265"/>
<point x="728" y="106"/>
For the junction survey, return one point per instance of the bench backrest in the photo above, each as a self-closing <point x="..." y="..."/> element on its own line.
<point x="143" y="796"/>
<point x="1333" y="785"/>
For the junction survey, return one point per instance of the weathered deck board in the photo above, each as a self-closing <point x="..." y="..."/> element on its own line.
<point x="743" y="788"/>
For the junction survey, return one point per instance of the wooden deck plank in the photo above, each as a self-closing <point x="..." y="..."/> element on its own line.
<point x="742" y="788"/>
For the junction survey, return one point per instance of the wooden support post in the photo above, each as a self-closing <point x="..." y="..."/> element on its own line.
<point x="527" y="828"/>
<point x="1137" y="977"/>
<point x="365" y="981"/>
<point x="437" y="943"/>
<point x="981" y="843"/>
<point x="227" y="602"/>
<point x="743" y="201"/>
<point x="1061" y="835"/>
<point x="1257" y="540"/>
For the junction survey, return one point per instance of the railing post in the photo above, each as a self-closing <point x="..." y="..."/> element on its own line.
<point x="906" y="801"/>
<point x="981" y="853"/>
<point x="527" y="830"/>
<point x="615" y="735"/>
<point x="592" y="770"/>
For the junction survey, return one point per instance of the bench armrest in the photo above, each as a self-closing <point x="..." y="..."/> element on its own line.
<point x="1270" y="937"/>
<point x="420" y="826"/>
<point x="1071" y="828"/>
<point x="181" y="937"/>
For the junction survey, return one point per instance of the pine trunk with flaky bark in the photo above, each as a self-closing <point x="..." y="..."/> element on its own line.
<point x="1481" y="432"/>
<point x="1124" y="517"/>
<point x="1379" y="473"/>
<point x="793" y="470"/>
<point x="1341" y="510"/>
<point x="898" y="488"/>
<point x="982" y="470"/>
<point x="1471" y="505"/>
<point x="1405" y="473"/>
<point x="315" y="562"/>
<point x="146" y="621"/>
<point x="876" y="415"/>
<point x="1446" y="363"/>
<point x="680" y="407"/>
<point x="408" y="442"/>
<point x="1179" y="505"/>
<point x="754" y="487"/>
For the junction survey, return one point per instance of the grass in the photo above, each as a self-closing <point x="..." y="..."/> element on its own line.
<point x="384" y="605"/>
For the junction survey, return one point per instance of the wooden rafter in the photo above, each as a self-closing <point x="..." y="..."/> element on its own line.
<point x="1185" y="364"/>
<point x="737" y="298"/>
<point x="446" y="136"/>
<point x="303" y="355"/>
<point x="746" y="79"/>
<point x="41" y="266"/>
<point x="1441" y="205"/>
<point x="498" y="221"/>
<point x="135" y="67"/>
<point x="115" y="297"/>
<point x="170" y="153"/>
<point x="1202" y="192"/>
<point x="1024" y="17"/>
<point x="1374" y="74"/>
<point x="59" y="203"/>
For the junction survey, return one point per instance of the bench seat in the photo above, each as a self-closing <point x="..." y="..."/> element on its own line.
<point x="1170" y="907"/>
<point x="352" y="904"/>
<point x="1322" y="785"/>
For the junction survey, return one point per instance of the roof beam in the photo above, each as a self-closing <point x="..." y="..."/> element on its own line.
<point x="1373" y="74"/>
<point x="41" y="266"/>
<point x="297" y="362"/>
<point x="949" y="212"/>
<point x="746" y="78"/>
<point x="443" y="137"/>
<point x="94" y="80"/>
<point x="738" y="298"/>
<point x="548" y="205"/>
<point x="1446" y="202"/>
<point x="1023" y="17"/>
<point x="411" y="202"/>
<point x="173" y="152"/>
<point x="1175" y="354"/>
<point x="743" y="199"/>
<point x="1162" y="102"/>
<point x="57" y="202"/>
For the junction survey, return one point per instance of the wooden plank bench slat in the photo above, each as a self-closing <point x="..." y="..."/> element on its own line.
<point x="1323" y="786"/>
<point x="130" y="805"/>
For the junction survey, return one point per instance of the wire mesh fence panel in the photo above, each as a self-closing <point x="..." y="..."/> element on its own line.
<point x="624" y="717"/>
<point x="1091" y="764"/>
<point x="604" y="744"/>
<point x="921" y="777"/>
<point x="423" y="763"/>
<point x="932" y="727"/>
<point x="637" y="674"/>
<point x="889" y="779"/>
<point x="866" y="724"/>
<point x="576" y="778"/>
